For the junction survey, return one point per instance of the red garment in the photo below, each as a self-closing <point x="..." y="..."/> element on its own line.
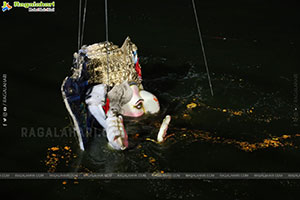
<point x="138" y="69"/>
<point x="106" y="106"/>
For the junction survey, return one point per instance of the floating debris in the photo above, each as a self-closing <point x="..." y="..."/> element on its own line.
<point x="239" y="113"/>
<point x="246" y="112"/>
<point x="152" y="160"/>
<point x="191" y="105"/>
<point x="185" y="115"/>
<point x="54" y="148"/>
<point x="271" y="142"/>
<point x="67" y="148"/>
<point x="56" y="155"/>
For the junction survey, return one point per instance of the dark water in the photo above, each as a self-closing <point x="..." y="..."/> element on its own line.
<point x="252" y="49"/>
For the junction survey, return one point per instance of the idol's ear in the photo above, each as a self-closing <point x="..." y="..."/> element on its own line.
<point x="151" y="104"/>
<point x="126" y="42"/>
<point x="128" y="47"/>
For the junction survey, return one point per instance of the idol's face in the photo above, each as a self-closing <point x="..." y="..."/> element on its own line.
<point x="141" y="102"/>
<point x="135" y="107"/>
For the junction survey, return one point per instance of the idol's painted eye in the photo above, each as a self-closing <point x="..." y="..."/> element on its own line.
<point x="139" y="105"/>
<point x="116" y="137"/>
